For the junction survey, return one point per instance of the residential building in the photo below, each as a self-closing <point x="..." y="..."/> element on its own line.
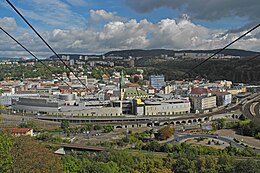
<point x="20" y="131"/>
<point x="201" y="99"/>
<point x="157" y="81"/>
<point x="223" y="98"/>
<point x="202" y="104"/>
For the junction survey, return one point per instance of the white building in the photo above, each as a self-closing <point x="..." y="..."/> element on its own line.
<point x="168" y="107"/>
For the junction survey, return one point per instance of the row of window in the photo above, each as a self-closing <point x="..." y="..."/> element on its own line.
<point x="167" y="113"/>
<point x="168" y="107"/>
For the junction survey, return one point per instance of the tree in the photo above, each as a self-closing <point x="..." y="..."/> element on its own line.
<point x="29" y="124"/>
<point x="101" y="167"/>
<point x="152" y="146"/>
<point x="248" y="166"/>
<point x="6" y="160"/>
<point x="220" y="123"/>
<point x="183" y="165"/>
<point x="2" y="108"/>
<point x="167" y="148"/>
<point x="72" y="164"/>
<point x="97" y="127"/>
<point x="162" y="170"/>
<point x="29" y="156"/>
<point x="207" y="164"/>
<point x="257" y="136"/>
<point x="135" y="79"/>
<point x="225" y="164"/>
<point x="65" y="125"/>
<point x="165" y="133"/>
<point x="89" y="127"/>
<point x="108" y="128"/>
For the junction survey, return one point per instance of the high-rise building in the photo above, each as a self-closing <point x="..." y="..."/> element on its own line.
<point x="157" y="81"/>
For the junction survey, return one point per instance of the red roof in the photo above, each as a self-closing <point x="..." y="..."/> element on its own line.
<point x="19" y="130"/>
<point x="219" y="93"/>
<point x="199" y="91"/>
<point x="132" y="85"/>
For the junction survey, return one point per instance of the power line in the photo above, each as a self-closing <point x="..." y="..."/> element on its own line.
<point x="252" y="29"/>
<point x="254" y="57"/>
<point x="34" y="56"/>
<point x="25" y="20"/>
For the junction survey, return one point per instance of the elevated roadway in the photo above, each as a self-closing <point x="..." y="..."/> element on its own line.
<point x="181" y="137"/>
<point x="250" y="109"/>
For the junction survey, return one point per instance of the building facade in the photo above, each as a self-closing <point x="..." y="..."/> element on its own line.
<point x="157" y="81"/>
<point x="164" y="108"/>
<point x="204" y="103"/>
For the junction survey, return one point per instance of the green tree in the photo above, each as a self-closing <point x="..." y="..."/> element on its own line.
<point x="220" y="123"/>
<point x="257" y="136"/>
<point x="248" y="166"/>
<point x="89" y="127"/>
<point x="2" y="108"/>
<point x="72" y="163"/>
<point x="65" y="125"/>
<point x="6" y="160"/>
<point x="152" y="146"/>
<point x="29" y="124"/>
<point x="108" y="128"/>
<point x="226" y="164"/>
<point x="101" y="167"/>
<point x="183" y="165"/>
<point x="207" y="164"/>
<point x="97" y="127"/>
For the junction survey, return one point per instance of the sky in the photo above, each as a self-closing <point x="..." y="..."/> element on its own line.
<point x="99" y="26"/>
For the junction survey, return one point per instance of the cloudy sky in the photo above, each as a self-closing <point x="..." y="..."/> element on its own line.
<point x="98" y="26"/>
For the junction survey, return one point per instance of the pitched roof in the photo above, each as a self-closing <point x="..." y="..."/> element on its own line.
<point x="132" y="84"/>
<point x="19" y="130"/>
<point x="199" y="91"/>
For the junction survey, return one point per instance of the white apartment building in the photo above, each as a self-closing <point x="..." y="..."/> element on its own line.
<point x="204" y="103"/>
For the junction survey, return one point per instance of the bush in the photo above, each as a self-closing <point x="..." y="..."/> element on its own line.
<point x="257" y="136"/>
<point x="47" y="137"/>
<point x="97" y="127"/>
<point x="108" y="128"/>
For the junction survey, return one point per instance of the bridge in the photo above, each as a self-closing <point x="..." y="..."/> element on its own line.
<point x="134" y="122"/>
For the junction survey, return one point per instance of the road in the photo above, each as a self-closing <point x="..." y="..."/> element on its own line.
<point x="257" y="109"/>
<point x="246" y="109"/>
<point x="180" y="137"/>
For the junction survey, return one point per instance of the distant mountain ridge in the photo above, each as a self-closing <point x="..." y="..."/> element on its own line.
<point x="158" y="52"/>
